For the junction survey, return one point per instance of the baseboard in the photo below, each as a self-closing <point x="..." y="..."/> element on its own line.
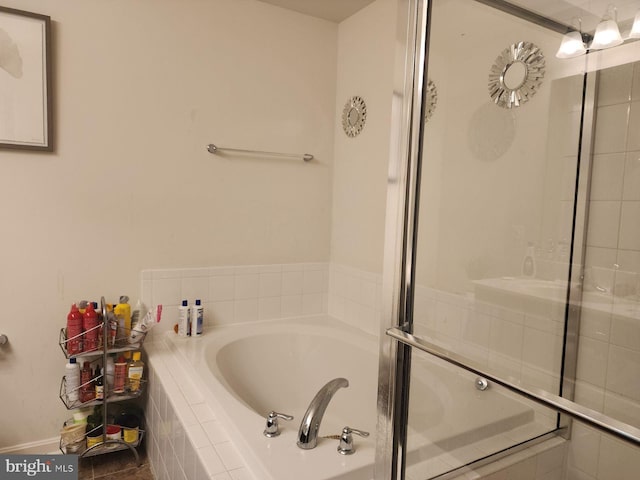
<point x="39" y="447"/>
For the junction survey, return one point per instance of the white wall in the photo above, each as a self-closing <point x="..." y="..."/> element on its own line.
<point x="366" y="43"/>
<point x="139" y="89"/>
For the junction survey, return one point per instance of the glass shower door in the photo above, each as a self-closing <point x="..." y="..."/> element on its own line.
<point x="496" y="220"/>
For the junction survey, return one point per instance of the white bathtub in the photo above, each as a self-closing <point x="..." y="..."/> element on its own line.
<point x="245" y="371"/>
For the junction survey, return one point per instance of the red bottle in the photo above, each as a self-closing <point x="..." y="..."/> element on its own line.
<point x="74" y="331"/>
<point x="87" y="389"/>
<point x="120" y="374"/>
<point x="91" y="330"/>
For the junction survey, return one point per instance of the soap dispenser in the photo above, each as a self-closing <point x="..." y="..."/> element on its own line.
<point x="529" y="262"/>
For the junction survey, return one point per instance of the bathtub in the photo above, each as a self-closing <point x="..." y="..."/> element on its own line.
<point x="245" y="371"/>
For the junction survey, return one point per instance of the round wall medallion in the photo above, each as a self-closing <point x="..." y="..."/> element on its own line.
<point x="354" y="116"/>
<point x="431" y="99"/>
<point x="516" y="74"/>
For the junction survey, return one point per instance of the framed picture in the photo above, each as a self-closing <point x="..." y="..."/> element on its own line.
<point x="25" y="80"/>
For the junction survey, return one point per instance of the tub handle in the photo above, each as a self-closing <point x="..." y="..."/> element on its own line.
<point x="271" y="430"/>
<point x="346" y="440"/>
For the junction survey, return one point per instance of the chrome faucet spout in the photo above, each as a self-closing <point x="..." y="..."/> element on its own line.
<point x="308" y="432"/>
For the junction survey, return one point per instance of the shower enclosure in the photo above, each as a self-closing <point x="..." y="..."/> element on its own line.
<point x="512" y="261"/>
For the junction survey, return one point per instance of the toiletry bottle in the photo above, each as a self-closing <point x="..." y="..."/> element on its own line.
<point x="140" y="329"/>
<point x="120" y="374"/>
<point x="134" y="373"/>
<point x="529" y="262"/>
<point x="72" y="380"/>
<point x="99" y="383"/>
<point x="74" y="331"/>
<point x="109" y="373"/>
<point x="90" y="325"/>
<point x="87" y="390"/>
<point x="197" y="317"/>
<point x="183" y="319"/>
<point x="123" y="311"/>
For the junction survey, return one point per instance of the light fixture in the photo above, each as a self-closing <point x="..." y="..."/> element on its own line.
<point x="607" y="33"/>
<point x="571" y="46"/>
<point x="635" y="29"/>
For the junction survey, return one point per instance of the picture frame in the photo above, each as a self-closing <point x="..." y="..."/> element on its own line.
<point x="26" y="116"/>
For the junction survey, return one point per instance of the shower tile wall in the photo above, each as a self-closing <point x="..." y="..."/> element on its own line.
<point x="609" y="344"/>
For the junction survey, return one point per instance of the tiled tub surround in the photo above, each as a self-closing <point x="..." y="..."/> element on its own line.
<point x="238" y="294"/>
<point x="185" y="440"/>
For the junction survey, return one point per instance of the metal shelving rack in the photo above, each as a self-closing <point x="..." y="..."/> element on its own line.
<point x="121" y="345"/>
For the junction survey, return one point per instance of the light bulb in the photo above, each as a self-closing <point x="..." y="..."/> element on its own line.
<point x="607" y="35"/>
<point x="571" y="46"/>
<point x="635" y="29"/>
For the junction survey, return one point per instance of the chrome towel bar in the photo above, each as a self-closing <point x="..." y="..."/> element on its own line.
<point x="591" y="417"/>
<point x="307" y="157"/>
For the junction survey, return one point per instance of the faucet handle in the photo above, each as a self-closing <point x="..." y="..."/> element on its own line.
<point x="346" y="440"/>
<point x="271" y="430"/>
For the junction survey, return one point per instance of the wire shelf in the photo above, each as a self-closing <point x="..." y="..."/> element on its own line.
<point x="102" y="447"/>
<point x="120" y="342"/>
<point x="71" y="402"/>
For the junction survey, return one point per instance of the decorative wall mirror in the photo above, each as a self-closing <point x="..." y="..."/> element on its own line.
<point x="354" y="116"/>
<point x="516" y="74"/>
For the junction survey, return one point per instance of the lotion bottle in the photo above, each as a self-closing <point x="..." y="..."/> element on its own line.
<point x="72" y="380"/>
<point x="197" y="317"/>
<point x="183" y="319"/>
<point x="529" y="262"/>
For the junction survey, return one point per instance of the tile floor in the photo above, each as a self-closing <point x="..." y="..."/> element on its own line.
<point x="117" y="465"/>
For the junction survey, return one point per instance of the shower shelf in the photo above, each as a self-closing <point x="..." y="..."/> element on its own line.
<point x="120" y="343"/>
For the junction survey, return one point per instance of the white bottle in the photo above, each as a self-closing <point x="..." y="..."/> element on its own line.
<point x="183" y="319"/>
<point x="109" y="373"/>
<point x="529" y="262"/>
<point x="72" y="380"/>
<point x="197" y="318"/>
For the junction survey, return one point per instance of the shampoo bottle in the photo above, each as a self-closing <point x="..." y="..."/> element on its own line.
<point x="123" y="311"/>
<point x="197" y="317"/>
<point x="90" y="324"/>
<point x="183" y="319"/>
<point x="529" y="262"/>
<point x="74" y="331"/>
<point x="72" y="380"/>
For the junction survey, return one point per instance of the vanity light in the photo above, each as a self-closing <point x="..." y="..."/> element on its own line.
<point x="571" y="46"/>
<point x="607" y="33"/>
<point x="635" y="29"/>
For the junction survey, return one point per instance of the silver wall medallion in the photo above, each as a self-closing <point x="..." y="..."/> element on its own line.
<point x="431" y="99"/>
<point x="354" y="116"/>
<point x="516" y="74"/>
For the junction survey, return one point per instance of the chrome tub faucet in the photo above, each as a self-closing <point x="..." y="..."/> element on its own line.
<point x="308" y="432"/>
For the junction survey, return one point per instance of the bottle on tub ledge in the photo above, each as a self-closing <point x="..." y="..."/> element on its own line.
<point x="190" y="319"/>
<point x="184" y="329"/>
<point x="197" y="318"/>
